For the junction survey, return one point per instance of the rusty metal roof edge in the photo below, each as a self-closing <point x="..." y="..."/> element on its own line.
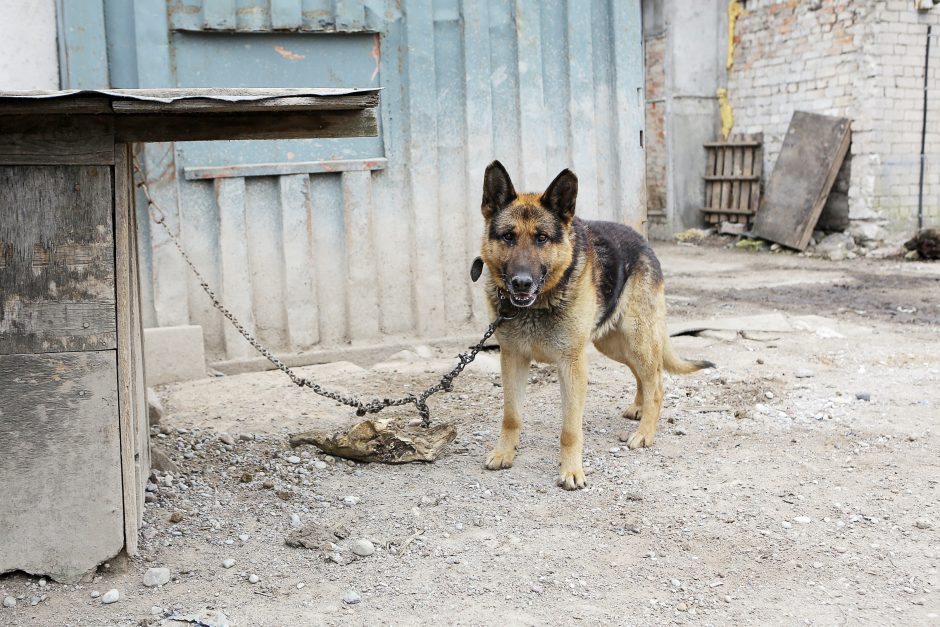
<point x="173" y="95"/>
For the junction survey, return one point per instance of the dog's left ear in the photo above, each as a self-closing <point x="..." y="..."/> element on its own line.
<point x="561" y="195"/>
<point x="476" y="269"/>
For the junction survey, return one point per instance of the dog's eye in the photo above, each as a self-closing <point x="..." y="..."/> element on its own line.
<point x="509" y="237"/>
<point x="541" y="238"/>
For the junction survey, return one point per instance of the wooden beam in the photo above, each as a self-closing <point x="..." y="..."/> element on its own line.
<point x="287" y="168"/>
<point x="56" y="139"/>
<point x="364" y="100"/>
<point x="274" y="125"/>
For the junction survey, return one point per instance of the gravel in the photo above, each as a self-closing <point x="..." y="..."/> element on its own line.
<point x="156" y="577"/>
<point x="9" y="602"/>
<point x="111" y="596"/>
<point x="228" y="563"/>
<point x="351" y="597"/>
<point x="362" y="548"/>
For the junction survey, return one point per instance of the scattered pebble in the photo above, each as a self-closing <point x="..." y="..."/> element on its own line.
<point x="786" y="524"/>
<point x="804" y="373"/>
<point x="9" y="602"/>
<point x="225" y="438"/>
<point x="156" y="577"/>
<point x="682" y="607"/>
<point x="319" y="465"/>
<point x="295" y="521"/>
<point x="863" y="396"/>
<point x="243" y="537"/>
<point x="362" y="548"/>
<point x="156" y="610"/>
<point x="923" y="523"/>
<point x="111" y="596"/>
<point x="351" y="597"/>
<point x="176" y="517"/>
<point x="293" y="459"/>
<point x="681" y="431"/>
<point x="253" y="578"/>
<point x="95" y="594"/>
<point x="351" y="500"/>
<point x="228" y="563"/>
<point x="803" y="520"/>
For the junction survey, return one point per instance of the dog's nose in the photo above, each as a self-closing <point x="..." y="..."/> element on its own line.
<point x="521" y="283"/>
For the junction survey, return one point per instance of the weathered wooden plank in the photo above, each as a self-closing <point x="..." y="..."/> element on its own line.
<point x="218" y="15"/>
<point x="532" y="115"/>
<point x="809" y="160"/>
<point x="287" y="168"/>
<point x="131" y="418"/>
<point x="754" y="200"/>
<point x="362" y="100"/>
<point x="278" y="125"/>
<point x="53" y="302"/>
<point x="747" y="169"/>
<point x="236" y="273"/>
<point x="61" y="511"/>
<point x="362" y="308"/>
<point x="286" y="14"/>
<point x="581" y="106"/>
<point x="297" y="235"/>
<point x="422" y="110"/>
<point x="37" y="139"/>
<point x="70" y="105"/>
<point x="727" y="158"/>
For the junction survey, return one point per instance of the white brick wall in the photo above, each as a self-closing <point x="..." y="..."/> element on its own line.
<point x="862" y="59"/>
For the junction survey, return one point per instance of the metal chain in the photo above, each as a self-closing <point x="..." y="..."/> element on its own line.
<point x="362" y="408"/>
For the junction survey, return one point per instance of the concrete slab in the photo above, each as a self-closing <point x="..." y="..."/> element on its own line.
<point x="173" y="354"/>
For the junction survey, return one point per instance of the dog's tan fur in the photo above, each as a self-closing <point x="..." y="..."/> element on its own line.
<point x="572" y="310"/>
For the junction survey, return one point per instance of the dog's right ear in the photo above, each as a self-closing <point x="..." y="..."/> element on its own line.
<point x="497" y="189"/>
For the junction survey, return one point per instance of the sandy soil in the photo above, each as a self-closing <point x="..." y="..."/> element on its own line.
<point x="773" y="495"/>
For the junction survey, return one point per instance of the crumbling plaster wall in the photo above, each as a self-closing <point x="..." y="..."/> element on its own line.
<point x="863" y="59"/>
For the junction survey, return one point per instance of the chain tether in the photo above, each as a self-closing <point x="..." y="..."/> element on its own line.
<point x="362" y="407"/>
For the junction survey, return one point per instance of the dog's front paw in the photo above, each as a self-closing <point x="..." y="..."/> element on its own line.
<point x="500" y="458"/>
<point x="638" y="439"/>
<point x="572" y="478"/>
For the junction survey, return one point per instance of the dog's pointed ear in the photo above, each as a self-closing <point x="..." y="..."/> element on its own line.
<point x="497" y="189"/>
<point x="476" y="269"/>
<point x="561" y="195"/>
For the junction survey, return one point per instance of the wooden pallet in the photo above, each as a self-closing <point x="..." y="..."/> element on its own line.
<point x="732" y="179"/>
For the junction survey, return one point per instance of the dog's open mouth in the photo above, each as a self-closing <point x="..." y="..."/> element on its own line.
<point x="522" y="300"/>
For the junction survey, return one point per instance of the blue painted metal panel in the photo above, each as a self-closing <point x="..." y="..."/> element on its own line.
<point x="275" y="60"/>
<point x="83" y="56"/>
<point x="539" y="84"/>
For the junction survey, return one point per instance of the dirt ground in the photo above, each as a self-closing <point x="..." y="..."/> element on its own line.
<point x="774" y="494"/>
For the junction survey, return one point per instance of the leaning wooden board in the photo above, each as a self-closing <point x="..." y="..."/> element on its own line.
<point x="812" y="153"/>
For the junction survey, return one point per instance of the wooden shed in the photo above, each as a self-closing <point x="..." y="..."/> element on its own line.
<point x="74" y="439"/>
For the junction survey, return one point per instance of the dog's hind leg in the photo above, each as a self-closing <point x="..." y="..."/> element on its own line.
<point x="515" y="372"/>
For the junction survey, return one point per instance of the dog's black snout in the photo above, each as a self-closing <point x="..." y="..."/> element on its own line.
<point x="522" y="283"/>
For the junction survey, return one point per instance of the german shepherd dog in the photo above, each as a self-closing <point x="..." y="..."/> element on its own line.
<point x="562" y="282"/>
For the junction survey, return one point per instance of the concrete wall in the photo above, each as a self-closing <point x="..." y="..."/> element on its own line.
<point x="28" y="55"/>
<point x="861" y="59"/>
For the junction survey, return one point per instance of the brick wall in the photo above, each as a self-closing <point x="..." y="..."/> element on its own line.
<point x="862" y="59"/>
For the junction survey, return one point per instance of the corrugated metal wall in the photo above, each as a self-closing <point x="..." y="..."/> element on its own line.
<point x="311" y="256"/>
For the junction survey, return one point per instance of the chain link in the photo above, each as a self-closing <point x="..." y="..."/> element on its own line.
<point x="362" y="408"/>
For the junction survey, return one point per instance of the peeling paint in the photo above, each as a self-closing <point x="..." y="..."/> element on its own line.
<point x="287" y="54"/>
<point x="377" y="55"/>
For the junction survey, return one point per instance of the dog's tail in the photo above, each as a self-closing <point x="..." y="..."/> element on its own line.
<point x="677" y="365"/>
